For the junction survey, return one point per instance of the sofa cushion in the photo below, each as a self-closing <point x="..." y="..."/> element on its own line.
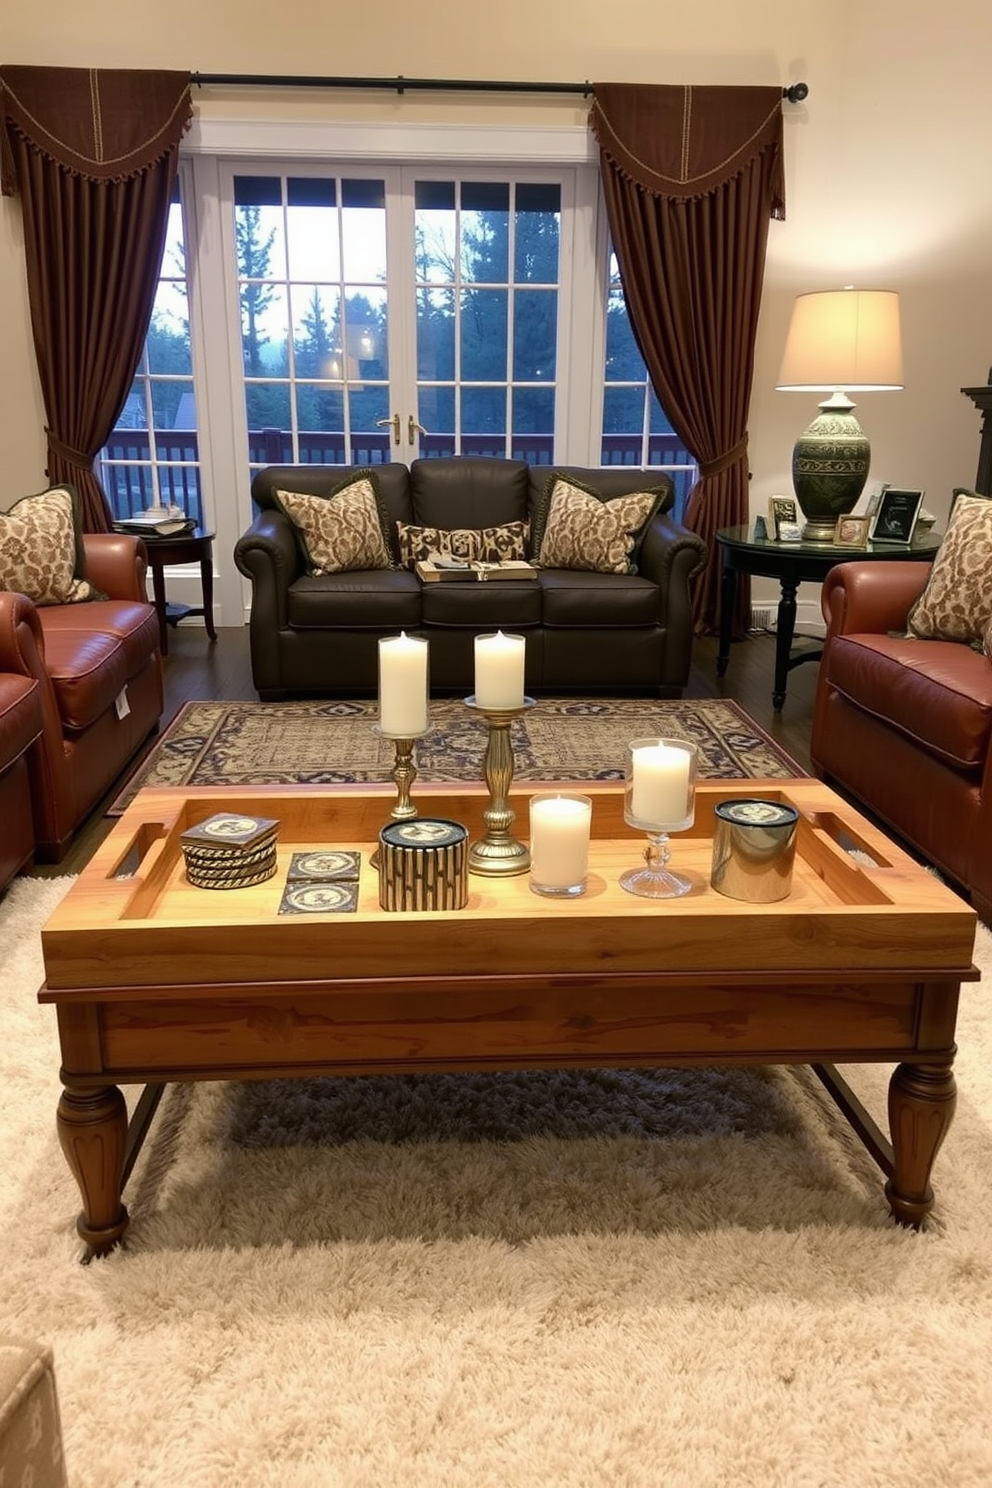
<point x="462" y="491"/>
<point x="956" y="604"/>
<point x="132" y="623"/>
<point x="481" y="606"/>
<point x="475" y="544"/>
<point x="382" y="599"/>
<point x="345" y="531"/>
<point x="579" y="529"/>
<point x="596" y="601"/>
<point x="937" y="694"/>
<point x="41" y="548"/>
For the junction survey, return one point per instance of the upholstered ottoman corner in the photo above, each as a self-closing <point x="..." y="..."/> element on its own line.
<point x="30" y="1430"/>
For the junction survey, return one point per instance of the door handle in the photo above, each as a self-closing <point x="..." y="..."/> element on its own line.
<point x="412" y="429"/>
<point x="395" y="422"/>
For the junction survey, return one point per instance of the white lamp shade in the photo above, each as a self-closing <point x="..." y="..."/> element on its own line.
<point x="844" y="338"/>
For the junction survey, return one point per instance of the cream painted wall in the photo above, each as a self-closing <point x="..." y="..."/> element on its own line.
<point x="887" y="176"/>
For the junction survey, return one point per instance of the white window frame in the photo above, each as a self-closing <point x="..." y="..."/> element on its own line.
<point x="210" y="150"/>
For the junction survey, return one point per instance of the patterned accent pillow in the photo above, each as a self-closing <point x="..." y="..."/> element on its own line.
<point x="475" y="544"/>
<point x="987" y="642"/>
<point x="956" y="604"/>
<point x="41" y="548"/>
<point x="583" y="531"/>
<point x="345" y="530"/>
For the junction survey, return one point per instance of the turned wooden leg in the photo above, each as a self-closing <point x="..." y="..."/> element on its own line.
<point x="922" y="1098"/>
<point x="92" y="1128"/>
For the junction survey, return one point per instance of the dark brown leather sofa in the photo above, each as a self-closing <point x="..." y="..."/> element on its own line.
<point x="20" y="726"/>
<point x="904" y="726"/>
<point x="98" y="673"/>
<point x="586" y="632"/>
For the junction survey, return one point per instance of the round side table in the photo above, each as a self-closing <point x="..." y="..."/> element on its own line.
<point x="181" y="548"/>
<point x="792" y="564"/>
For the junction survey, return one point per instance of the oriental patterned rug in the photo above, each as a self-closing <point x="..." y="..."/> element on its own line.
<point x="331" y="743"/>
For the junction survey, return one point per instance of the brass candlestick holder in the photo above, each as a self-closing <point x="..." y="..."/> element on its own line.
<point x="498" y="854"/>
<point x="404" y="773"/>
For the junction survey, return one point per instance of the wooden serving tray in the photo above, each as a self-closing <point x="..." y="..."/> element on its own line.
<point x="133" y="920"/>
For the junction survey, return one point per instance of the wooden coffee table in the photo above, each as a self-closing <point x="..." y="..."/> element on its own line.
<point x="155" y="981"/>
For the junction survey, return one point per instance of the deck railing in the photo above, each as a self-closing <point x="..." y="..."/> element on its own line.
<point x="124" y="466"/>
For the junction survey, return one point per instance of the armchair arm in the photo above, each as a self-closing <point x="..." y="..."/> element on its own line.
<point x="116" y="563"/>
<point x="22" y="642"/>
<point x="871" y="598"/>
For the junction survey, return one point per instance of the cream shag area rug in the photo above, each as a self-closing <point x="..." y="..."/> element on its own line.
<point x="669" y="1280"/>
<point x="329" y="743"/>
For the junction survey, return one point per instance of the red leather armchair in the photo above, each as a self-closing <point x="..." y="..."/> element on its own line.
<point x="904" y="726"/>
<point x="20" y="726"/>
<point x="98" y="671"/>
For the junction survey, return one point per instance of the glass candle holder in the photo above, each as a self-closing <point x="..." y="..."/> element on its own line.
<point x="659" y="798"/>
<point x="559" y="844"/>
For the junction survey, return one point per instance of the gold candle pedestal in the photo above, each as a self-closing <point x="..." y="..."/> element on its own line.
<point x="498" y="854"/>
<point x="404" y="773"/>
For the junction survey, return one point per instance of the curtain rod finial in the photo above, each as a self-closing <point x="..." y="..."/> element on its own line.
<point x="796" y="92"/>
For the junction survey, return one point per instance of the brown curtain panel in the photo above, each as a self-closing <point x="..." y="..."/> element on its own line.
<point x="93" y="156"/>
<point x="691" y="178"/>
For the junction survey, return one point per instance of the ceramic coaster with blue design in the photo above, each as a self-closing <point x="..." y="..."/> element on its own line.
<point x="319" y="898"/>
<point x="324" y="865"/>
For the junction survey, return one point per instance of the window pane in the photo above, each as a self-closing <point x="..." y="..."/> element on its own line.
<point x="436" y="334"/>
<point x="535" y="332"/>
<point x="485" y="225"/>
<point x="267" y="405"/>
<point x="538" y="222"/>
<point x="436" y="409"/>
<point x="174" y="407"/>
<point x="363" y="231"/>
<point x="264" y="323"/>
<point x="533" y="411"/>
<point x="168" y="345"/>
<point x="483" y="411"/>
<point x="319" y="408"/>
<point x="316" y="331"/>
<point x="260" y="240"/>
<point x="483" y="334"/>
<point x="366" y="406"/>
<point x="366" y="335"/>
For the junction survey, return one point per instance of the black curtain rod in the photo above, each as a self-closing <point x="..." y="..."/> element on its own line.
<point x="795" y="93"/>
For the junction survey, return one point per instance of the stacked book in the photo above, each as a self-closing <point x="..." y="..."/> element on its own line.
<point x="438" y="571"/>
<point x="149" y="525"/>
<point x="230" y="851"/>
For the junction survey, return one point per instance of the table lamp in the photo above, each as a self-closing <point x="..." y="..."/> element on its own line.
<point x="839" y="341"/>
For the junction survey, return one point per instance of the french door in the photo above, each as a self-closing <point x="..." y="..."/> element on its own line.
<point x="402" y="312"/>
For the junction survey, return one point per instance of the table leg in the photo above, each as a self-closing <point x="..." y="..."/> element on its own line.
<point x="783" y="642"/>
<point x="922" y="1098"/>
<point x="92" y="1127"/>
<point x="728" y="603"/>
<point x="207" y="586"/>
<point x="158" y="590"/>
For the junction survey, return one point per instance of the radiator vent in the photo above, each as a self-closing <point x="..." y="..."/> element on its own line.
<point x="762" y="617"/>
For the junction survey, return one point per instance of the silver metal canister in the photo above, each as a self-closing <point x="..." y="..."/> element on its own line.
<point x="754" y="847"/>
<point x="423" y="864"/>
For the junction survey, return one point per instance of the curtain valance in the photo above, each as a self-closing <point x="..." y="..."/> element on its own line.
<point x="686" y="142"/>
<point x="101" y="124"/>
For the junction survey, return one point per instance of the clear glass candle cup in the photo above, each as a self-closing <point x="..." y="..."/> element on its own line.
<point x="659" y="798"/>
<point x="559" y="843"/>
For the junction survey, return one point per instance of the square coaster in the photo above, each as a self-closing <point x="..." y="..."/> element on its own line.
<point x="319" y="898"/>
<point x="324" y="866"/>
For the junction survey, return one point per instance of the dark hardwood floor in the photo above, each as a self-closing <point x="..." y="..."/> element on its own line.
<point x="195" y="669"/>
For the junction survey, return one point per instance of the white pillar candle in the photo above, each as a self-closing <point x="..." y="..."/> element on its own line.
<point x="499" y="671"/>
<point x="403" y="701"/>
<point x="559" y="841"/>
<point x="660" y="794"/>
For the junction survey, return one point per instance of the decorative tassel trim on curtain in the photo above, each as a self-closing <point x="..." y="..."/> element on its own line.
<point x="103" y="124"/>
<point x="685" y="142"/>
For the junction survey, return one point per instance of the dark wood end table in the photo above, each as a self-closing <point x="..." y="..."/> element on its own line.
<point x="793" y="564"/>
<point x="181" y="548"/>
